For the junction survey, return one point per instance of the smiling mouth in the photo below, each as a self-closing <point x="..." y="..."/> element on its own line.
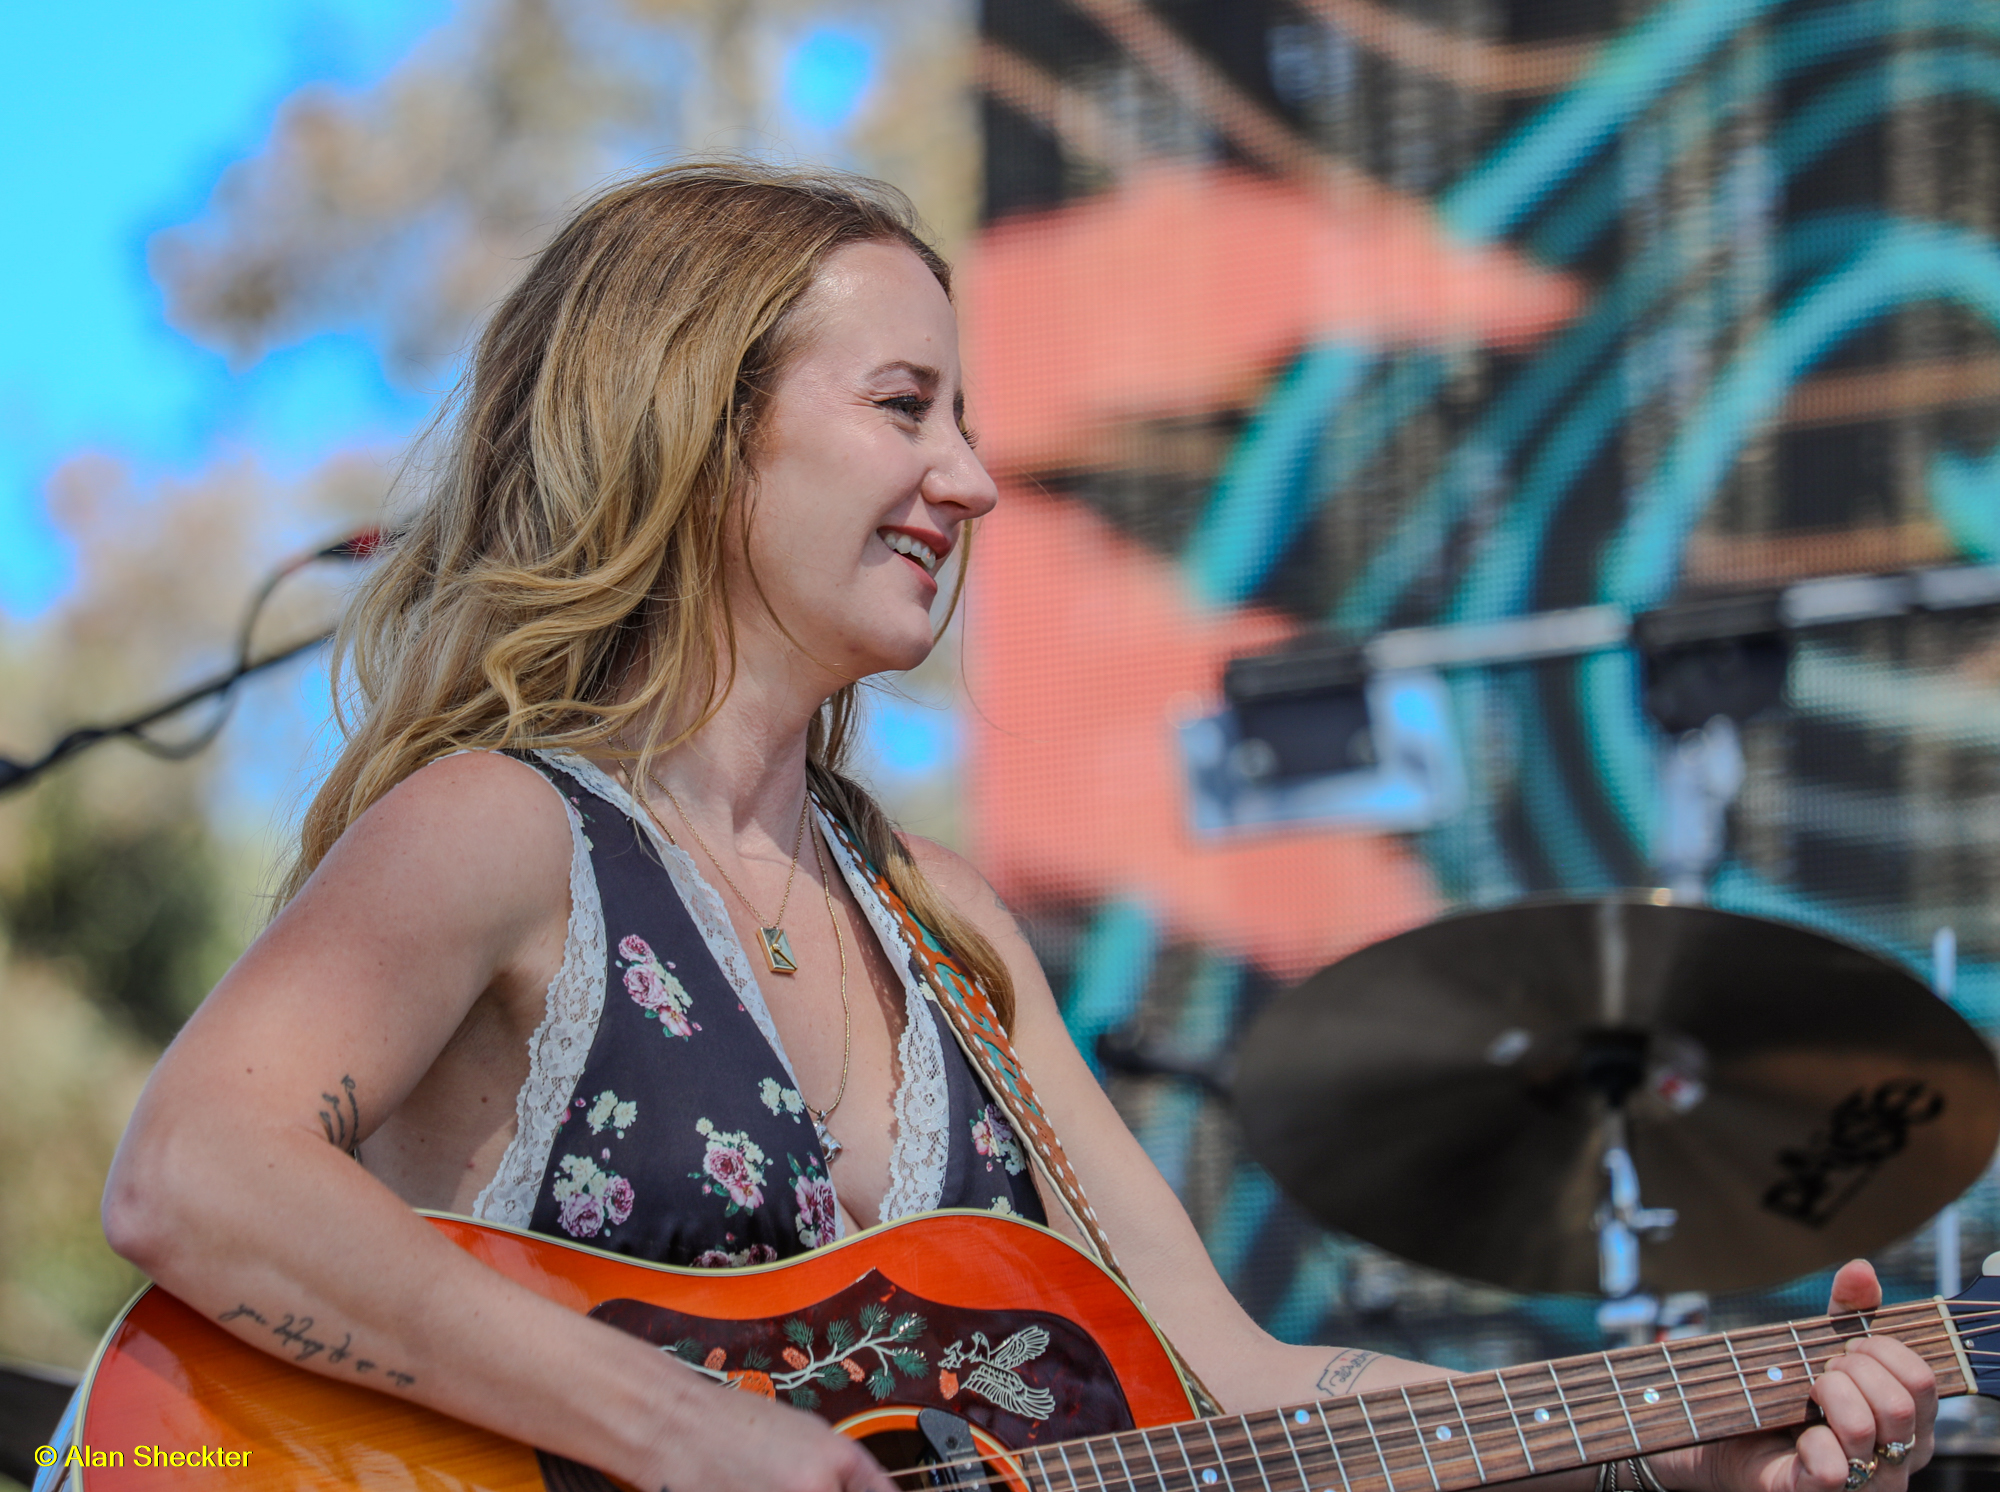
<point x="915" y="549"/>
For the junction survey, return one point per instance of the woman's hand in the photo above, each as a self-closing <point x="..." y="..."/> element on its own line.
<point x="726" y="1440"/>
<point x="1876" y="1393"/>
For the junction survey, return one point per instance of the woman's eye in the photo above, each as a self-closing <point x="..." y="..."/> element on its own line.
<point x="910" y="406"/>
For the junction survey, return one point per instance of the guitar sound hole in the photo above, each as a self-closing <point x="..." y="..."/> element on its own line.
<point x="897" y="1450"/>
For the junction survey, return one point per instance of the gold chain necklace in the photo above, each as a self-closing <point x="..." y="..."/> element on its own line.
<point x="827" y="1142"/>
<point x="777" y="947"/>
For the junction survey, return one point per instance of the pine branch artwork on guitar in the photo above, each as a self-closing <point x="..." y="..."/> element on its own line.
<point x="1059" y="1374"/>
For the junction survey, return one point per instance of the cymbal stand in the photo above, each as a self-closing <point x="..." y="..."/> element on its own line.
<point x="1615" y="1065"/>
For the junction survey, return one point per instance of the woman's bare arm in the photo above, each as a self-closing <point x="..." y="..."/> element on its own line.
<point x="1157" y="1244"/>
<point x="1881" y="1389"/>
<point x="234" y="1188"/>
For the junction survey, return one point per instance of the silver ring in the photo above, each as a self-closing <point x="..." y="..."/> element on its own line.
<point x="1893" y="1453"/>
<point x="1858" y="1473"/>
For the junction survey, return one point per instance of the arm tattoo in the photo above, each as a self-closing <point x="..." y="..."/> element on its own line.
<point x="1346" y="1365"/>
<point x="295" y="1331"/>
<point x="341" y="1118"/>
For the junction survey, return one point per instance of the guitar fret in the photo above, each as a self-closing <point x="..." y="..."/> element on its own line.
<point x="1256" y="1455"/>
<point x="1305" y="1481"/>
<point x="1755" y="1418"/>
<point x="1221" y="1456"/>
<point x="1068" y="1470"/>
<point x="1618" y="1393"/>
<point x="1194" y="1477"/>
<point x="1466" y="1425"/>
<point x="1680" y="1390"/>
<point x="1568" y="1417"/>
<point x="1803" y="1357"/>
<point x="1095" y="1470"/>
<point x="1123" y="1465"/>
<point x="1423" y="1440"/>
<point x="1339" y="1463"/>
<point x="1388" y="1475"/>
<point x="1041" y="1466"/>
<point x="1159" y="1472"/>
<point x="1515" y="1415"/>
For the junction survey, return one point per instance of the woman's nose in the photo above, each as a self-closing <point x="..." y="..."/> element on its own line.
<point x="963" y="483"/>
<point x="960" y="480"/>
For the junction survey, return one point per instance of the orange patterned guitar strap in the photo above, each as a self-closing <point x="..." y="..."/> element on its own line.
<point x="973" y="1021"/>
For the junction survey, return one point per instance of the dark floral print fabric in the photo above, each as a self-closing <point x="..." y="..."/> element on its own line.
<point x="683" y="1141"/>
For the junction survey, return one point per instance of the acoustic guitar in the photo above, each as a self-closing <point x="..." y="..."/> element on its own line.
<point x="1051" y="1375"/>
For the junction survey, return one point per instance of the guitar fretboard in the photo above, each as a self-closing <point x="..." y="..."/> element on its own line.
<point x="1485" y="1427"/>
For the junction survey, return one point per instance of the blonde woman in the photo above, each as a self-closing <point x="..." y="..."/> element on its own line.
<point x="590" y="933"/>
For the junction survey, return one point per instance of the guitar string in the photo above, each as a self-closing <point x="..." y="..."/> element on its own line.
<point x="1743" y="1339"/>
<point x="1257" y="1446"/>
<point x="1746" y="1341"/>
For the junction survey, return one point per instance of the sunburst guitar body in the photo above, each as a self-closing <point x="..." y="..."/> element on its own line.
<point x="1052" y="1377"/>
<point x="999" y="1322"/>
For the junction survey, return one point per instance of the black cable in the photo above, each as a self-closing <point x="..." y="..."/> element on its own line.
<point x="15" y="774"/>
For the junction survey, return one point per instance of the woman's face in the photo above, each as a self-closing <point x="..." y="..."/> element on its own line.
<point x="863" y="475"/>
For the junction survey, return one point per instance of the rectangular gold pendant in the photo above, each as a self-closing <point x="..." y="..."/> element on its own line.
<point x="777" y="950"/>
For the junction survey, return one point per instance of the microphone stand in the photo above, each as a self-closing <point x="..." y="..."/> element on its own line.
<point x="16" y="774"/>
<point x="360" y="546"/>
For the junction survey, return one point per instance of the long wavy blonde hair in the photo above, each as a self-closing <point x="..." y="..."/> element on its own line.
<point x="561" y="585"/>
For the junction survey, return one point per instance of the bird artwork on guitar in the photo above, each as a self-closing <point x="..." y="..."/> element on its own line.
<point x="1047" y="1372"/>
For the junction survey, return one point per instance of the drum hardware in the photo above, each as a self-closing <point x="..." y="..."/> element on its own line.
<point x="1617" y="1095"/>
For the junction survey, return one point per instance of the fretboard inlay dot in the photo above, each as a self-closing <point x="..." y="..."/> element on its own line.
<point x="1369" y="1439"/>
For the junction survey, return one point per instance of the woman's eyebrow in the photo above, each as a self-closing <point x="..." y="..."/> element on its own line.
<point x="929" y="377"/>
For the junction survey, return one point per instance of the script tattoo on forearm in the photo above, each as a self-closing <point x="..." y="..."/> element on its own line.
<point x="341" y="1118"/>
<point x="295" y="1332"/>
<point x="1346" y="1365"/>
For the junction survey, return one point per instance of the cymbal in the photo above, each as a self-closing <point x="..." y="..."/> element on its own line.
<point x="1442" y="1094"/>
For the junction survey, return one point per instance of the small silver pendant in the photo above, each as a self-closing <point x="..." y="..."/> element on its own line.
<point x="777" y="950"/>
<point x="827" y="1143"/>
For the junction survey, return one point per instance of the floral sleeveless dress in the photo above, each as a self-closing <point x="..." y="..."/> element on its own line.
<point x="661" y="1117"/>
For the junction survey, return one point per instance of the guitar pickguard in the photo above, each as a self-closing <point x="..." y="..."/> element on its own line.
<point x="1026" y="1377"/>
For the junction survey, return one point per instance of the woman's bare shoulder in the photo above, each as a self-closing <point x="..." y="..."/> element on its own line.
<point x="955" y="877"/>
<point x="959" y="882"/>
<point x="478" y="833"/>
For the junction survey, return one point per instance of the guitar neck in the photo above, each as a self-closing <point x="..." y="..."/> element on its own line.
<point x="1488" y="1427"/>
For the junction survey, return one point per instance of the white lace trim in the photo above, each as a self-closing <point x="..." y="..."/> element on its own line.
<point x="703" y="901"/>
<point x="923" y="1097"/>
<point x="560" y="1046"/>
